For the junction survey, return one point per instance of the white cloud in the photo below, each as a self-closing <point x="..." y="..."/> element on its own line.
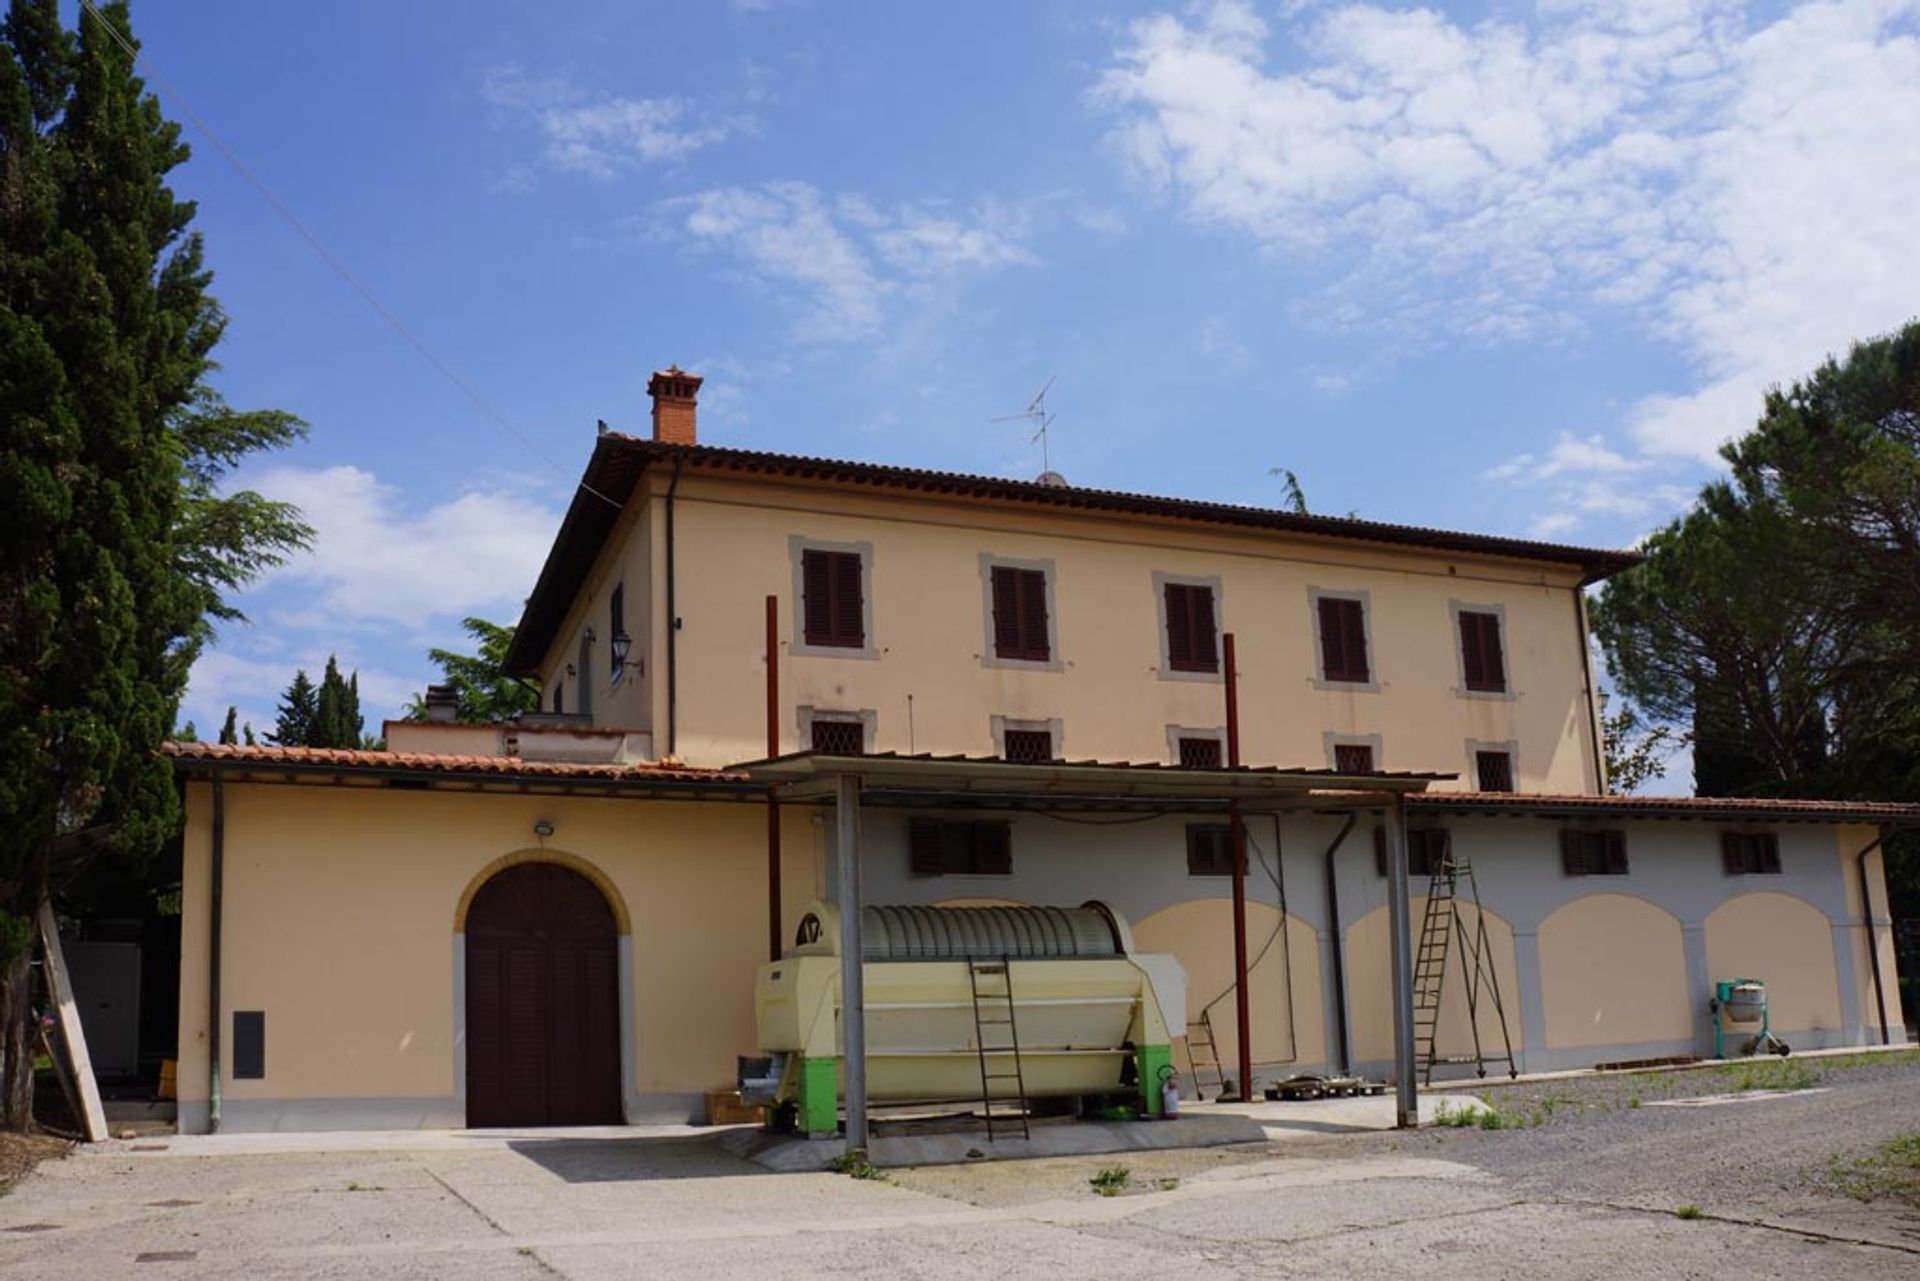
<point x="600" y="136"/>
<point x="845" y="257"/>
<point x="373" y="561"/>
<point x="1742" y="185"/>
<point x="1570" y="455"/>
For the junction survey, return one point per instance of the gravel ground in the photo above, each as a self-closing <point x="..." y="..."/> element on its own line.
<point x="1583" y="1185"/>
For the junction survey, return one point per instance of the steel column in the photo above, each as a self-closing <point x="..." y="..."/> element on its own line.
<point x="1237" y="839"/>
<point x="1399" y="922"/>
<point x="774" y="927"/>
<point x="853" y="995"/>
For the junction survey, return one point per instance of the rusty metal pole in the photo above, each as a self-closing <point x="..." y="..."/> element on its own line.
<point x="774" y="930"/>
<point x="1237" y="835"/>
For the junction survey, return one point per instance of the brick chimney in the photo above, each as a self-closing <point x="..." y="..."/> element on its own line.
<point x="675" y="394"/>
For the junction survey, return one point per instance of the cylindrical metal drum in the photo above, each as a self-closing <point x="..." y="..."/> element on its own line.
<point x="1746" y="1002"/>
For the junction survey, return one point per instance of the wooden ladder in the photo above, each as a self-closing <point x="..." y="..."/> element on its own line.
<point x="1203" y="1057"/>
<point x="994" y="1009"/>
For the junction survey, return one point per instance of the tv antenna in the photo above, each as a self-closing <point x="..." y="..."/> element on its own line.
<point x="1041" y="419"/>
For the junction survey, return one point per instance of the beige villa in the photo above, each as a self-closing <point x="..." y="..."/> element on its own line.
<point x="560" y="920"/>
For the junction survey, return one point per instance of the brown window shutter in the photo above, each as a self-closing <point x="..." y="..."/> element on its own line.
<point x="924" y="848"/>
<point x="993" y="849"/>
<point x="1733" y="853"/>
<point x="1343" y="640"/>
<point x="1614" y="852"/>
<point x="849" y="611"/>
<point x="1573" y="852"/>
<point x="1485" y="664"/>
<point x="1034" y="642"/>
<point x="1006" y="612"/>
<point x="816" y="582"/>
<point x="1179" y="627"/>
<point x="1206" y="642"/>
<point x="1209" y="850"/>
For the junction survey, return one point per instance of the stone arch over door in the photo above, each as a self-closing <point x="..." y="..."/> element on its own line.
<point x="1786" y="943"/>
<point x="542" y="1004"/>
<point x="1613" y="971"/>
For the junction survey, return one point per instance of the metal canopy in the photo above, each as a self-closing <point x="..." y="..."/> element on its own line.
<point x="926" y="780"/>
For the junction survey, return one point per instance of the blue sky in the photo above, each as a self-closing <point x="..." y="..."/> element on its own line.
<point x="1507" y="268"/>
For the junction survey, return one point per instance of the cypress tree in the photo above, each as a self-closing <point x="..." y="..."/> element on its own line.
<point x="228" y="734"/>
<point x="298" y="713"/>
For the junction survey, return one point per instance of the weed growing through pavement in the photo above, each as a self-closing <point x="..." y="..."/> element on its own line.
<point x="1688" y="1211"/>
<point x="856" y="1166"/>
<point x="1774" y="1074"/>
<point x="1891" y="1171"/>
<point x="1111" y="1181"/>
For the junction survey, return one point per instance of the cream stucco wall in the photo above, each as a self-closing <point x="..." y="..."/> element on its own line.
<point x="340" y="908"/>
<point x="626" y="559"/>
<point x="1786" y="943"/>
<point x="1370" y="986"/>
<point x="1108" y="690"/>
<point x="1283" y="986"/>
<point x="1613" y="971"/>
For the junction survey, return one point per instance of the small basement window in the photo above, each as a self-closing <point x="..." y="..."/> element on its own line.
<point x="960" y="847"/>
<point x="1494" y="771"/>
<point x="1353" y="758"/>
<point x="1209" y="849"/>
<point x="1199" y="753"/>
<point x="1584" y="853"/>
<point x="1428" y="850"/>
<point x="839" y="737"/>
<point x="1027" y="746"/>
<point x="1751" y="853"/>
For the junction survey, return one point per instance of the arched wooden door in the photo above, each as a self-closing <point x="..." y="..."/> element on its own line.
<point x="543" y="1001"/>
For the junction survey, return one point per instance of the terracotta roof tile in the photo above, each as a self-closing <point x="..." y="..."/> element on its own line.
<point x="443" y="763"/>
<point x="1676" y="806"/>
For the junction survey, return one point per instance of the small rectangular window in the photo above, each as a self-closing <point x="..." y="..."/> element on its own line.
<point x="1027" y="746"/>
<point x="839" y="737"/>
<point x="1584" y="853"/>
<point x="1494" y="771"/>
<point x="1199" y="753"/>
<point x="834" y="607"/>
<point x="1428" y="850"/>
<point x="1209" y="849"/>
<point x="1193" y="643"/>
<point x="960" y="847"/>
<point x="1751" y="853"/>
<point x="1343" y="640"/>
<point x="1353" y="758"/>
<point x="1020" y="614"/>
<point x="1481" y="652"/>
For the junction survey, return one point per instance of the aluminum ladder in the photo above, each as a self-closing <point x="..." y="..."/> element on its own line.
<point x="1439" y="927"/>
<point x="993" y="1008"/>
<point x="1203" y="1057"/>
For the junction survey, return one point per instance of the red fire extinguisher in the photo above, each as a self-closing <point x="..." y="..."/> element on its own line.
<point x="1169" y="1093"/>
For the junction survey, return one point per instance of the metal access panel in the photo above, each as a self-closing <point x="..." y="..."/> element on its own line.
<point x="249" y="1045"/>
<point x="106" y="987"/>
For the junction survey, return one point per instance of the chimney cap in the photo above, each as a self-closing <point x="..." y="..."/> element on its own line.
<point x="674" y="383"/>
<point x="442" y="704"/>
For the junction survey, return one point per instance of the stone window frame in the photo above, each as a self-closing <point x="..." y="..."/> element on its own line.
<point x="1054" y="727"/>
<point x="797" y="547"/>
<point x="1365" y="597"/>
<point x="989" y="561"/>
<point x="866" y="717"/>
<point x="1511" y="746"/>
<point x="1177" y="732"/>
<point x="1161" y="579"/>
<point x="1455" y="608"/>
<point x="1330" y="739"/>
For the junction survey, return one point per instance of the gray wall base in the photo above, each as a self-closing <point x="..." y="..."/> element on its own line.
<point x="242" y="1116"/>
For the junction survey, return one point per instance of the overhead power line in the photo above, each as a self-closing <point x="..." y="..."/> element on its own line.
<point x="327" y="256"/>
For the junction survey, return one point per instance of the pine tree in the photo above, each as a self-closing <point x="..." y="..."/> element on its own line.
<point x="484" y="690"/>
<point x="118" y="545"/>
<point x="227" y="732"/>
<point x="299" y="709"/>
